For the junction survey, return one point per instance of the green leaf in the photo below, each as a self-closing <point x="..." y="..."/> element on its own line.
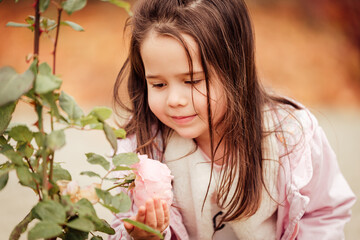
<point x="47" y="23"/>
<point x="6" y="112"/>
<point x="45" y="80"/>
<point x="90" y="174"/>
<point x="73" y="234"/>
<point x="102" y="113"/>
<point x="89" y="119"/>
<point x="50" y="210"/>
<point x="26" y="149"/>
<point x="39" y="139"/>
<point x="102" y="226"/>
<point x="45" y="230"/>
<point x="81" y="224"/>
<point x="121" y="202"/>
<point x="85" y="208"/>
<point x="144" y="227"/>
<point x="60" y="173"/>
<point x="73" y="25"/>
<point x="13" y="156"/>
<point x="125" y="159"/>
<point x="26" y="178"/>
<point x="104" y="195"/>
<point x="68" y="104"/>
<point x="6" y="167"/>
<point x="120" y="133"/>
<point x="44" y="4"/>
<point x="110" y="136"/>
<point x="55" y="140"/>
<point x="68" y="205"/>
<point x="14" y="85"/>
<point x="98" y="126"/>
<point x="130" y="178"/>
<point x="118" y="203"/>
<point x="21" y="133"/>
<point x="122" y="168"/>
<point x="97" y="159"/>
<point x="120" y="3"/>
<point x="34" y="65"/>
<point x="71" y="6"/>
<point x="14" y="24"/>
<point x="111" y="208"/>
<point x="3" y="141"/>
<point x="96" y="238"/>
<point x="50" y="99"/>
<point x="4" y="177"/>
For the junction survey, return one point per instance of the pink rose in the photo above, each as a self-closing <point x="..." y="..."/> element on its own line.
<point x="89" y="193"/>
<point x="153" y="179"/>
<point x="76" y="193"/>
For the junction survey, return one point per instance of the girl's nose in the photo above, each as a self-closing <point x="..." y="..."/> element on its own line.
<point x="177" y="97"/>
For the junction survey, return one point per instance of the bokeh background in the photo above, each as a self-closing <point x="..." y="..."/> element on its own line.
<point x="308" y="50"/>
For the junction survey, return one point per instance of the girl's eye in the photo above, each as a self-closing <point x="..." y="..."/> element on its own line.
<point x="158" y="85"/>
<point x="193" y="82"/>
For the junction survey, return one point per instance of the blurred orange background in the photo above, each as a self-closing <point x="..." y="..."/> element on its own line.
<point x="308" y="55"/>
<point x="308" y="50"/>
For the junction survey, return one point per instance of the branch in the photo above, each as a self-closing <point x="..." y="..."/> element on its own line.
<point x="21" y="227"/>
<point x="36" y="183"/>
<point x="44" y="173"/>
<point x="117" y="185"/>
<point x="51" y="171"/>
<point x="56" y="37"/>
<point x="37" y="29"/>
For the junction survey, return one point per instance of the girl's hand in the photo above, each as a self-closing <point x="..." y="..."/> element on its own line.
<point x="155" y="214"/>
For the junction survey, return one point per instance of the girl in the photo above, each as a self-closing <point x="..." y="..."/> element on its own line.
<point x="246" y="164"/>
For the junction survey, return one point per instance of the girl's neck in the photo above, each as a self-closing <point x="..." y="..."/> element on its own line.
<point x="204" y="145"/>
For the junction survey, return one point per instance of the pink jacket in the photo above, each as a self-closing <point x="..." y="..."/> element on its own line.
<point x="315" y="199"/>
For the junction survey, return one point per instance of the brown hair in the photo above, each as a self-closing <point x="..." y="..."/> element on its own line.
<point x="223" y="32"/>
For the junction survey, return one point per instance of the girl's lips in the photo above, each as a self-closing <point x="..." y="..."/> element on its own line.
<point x="183" y="119"/>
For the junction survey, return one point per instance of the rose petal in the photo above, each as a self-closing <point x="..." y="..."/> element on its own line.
<point x="153" y="180"/>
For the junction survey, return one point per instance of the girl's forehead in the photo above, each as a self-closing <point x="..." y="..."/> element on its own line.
<point x="165" y="54"/>
<point x="153" y="37"/>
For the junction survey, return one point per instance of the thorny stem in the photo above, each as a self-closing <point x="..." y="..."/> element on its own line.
<point x="52" y="122"/>
<point x="38" y="107"/>
<point x="44" y="173"/>
<point x="21" y="227"/>
<point x="117" y="185"/>
<point x="51" y="168"/>
<point x="102" y="179"/>
<point x="36" y="183"/>
<point x="56" y="37"/>
<point x="37" y="29"/>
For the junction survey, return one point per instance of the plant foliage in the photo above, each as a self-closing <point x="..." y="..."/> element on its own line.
<point x="30" y="151"/>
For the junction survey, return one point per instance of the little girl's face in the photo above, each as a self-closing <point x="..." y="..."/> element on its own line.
<point x="171" y="96"/>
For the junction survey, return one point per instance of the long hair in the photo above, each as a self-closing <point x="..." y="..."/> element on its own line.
<point x="223" y="32"/>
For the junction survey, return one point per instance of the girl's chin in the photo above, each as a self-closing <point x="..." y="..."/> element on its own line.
<point x="187" y="135"/>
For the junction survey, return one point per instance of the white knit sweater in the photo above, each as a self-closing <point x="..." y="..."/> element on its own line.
<point x="191" y="176"/>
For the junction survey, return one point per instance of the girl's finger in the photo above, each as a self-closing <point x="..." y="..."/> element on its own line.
<point x="140" y="217"/>
<point x="150" y="218"/>
<point x="128" y="226"/>
<point x="159" y="213"/>
<point x="166" y="212"/>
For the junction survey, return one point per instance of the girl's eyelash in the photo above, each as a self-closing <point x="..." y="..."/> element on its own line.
<point x="158" y="85"/>
<point x="194" y="81"/>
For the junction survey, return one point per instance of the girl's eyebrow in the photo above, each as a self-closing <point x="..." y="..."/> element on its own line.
<point x="177" y="75"/>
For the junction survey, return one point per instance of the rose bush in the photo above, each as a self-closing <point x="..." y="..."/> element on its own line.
<point x="64" y="210"/>
<point x="153" y="179"/>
